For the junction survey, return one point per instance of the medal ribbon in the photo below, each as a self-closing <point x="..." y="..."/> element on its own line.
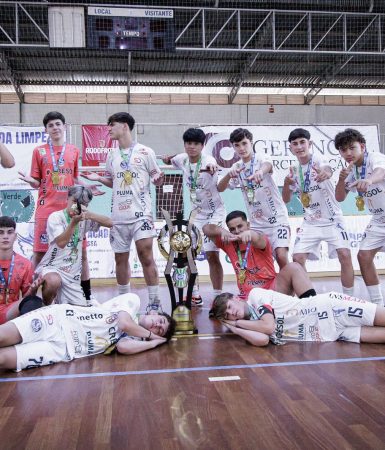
<point x="361" y="176"/>
<point x="75" y="236"/>
<point x="305" y="184"/>
<point x="248" y="173"/>
<point x="243" y="261"/>
<point x="193" y="179"/>
<point x="5" y="282"/>
<point x="61" y="157"/>
<point x="126" y="158"/>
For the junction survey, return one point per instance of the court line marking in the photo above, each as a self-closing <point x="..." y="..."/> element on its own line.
<point x="231" y="378"/>
<point x="193" y="369"/>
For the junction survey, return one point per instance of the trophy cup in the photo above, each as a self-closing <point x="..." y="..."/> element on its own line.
<point x="185" y="242"/>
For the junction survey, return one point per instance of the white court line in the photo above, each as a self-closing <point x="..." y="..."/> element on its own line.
<point x="230" y="378"/>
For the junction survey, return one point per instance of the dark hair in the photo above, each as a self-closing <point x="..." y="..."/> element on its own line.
<point x="239" y="134"/>
<point x="194" y="135"/>
<point x="235" y="215"/>
<point x="347" y="137"/>
<point x="122" y="117"/>
<point x="220" y="305"/>
<point x="7" y="222"/>
<point x="171" y="325"/>
<point x="298" y="133"/>
<point x="53" y="115"/>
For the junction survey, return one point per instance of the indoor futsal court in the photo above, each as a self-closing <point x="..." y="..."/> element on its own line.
<point x="206" y="68"/>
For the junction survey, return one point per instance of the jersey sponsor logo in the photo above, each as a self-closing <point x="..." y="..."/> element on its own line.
<point x="301" y="332"/>
<point x="110" y="319"/>
<point x="124" y="206"/>
<point x="92" y="316"/>
<point x="112" y="335"/>
<point x="44" y="238"/>
<point x="146" y="226"/>
<point x="372" y="192"/>
<point x="70" y="312"/>
<point x="90" y="343"/>
<point x="376" y="210"/>
<point x="280" y="321"/>
<point x="124" y="192"/>
<point x="76" y="341"/>
<point x="42" y="151"/>
<point x="36" y="325"/>
<point x="49" y="319"/>
<point x="314" y="188"/>
<point x="314" y="333"/>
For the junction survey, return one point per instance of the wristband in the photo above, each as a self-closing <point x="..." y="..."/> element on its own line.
<point x="149" y="336"/>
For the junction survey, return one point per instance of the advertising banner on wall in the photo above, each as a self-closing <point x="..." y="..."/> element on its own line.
<point x="97" y="143"/>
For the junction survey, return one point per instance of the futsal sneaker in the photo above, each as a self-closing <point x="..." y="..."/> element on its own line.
<point x="196" y="300"/>
<point x="154" y="306"/>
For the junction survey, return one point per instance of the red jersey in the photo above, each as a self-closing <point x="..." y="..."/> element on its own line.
<point x="20" y="281"/>
<point x="53" y="197"/>
<point x="260" y="271"/>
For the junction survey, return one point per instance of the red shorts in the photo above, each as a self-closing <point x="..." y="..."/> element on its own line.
<point x="40" y="242"/>
<point x="3" y="312"/>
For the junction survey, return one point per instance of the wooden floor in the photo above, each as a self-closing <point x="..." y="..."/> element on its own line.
<point x="296" y="396"/>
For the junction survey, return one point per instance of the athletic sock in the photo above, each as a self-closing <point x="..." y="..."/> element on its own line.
<point x="86" y="286"/>
<point x="153" y="295"/>
<point x="375" y="294"/>
<point x="348" y="291"/>
<point x="124" y="288"/>
<point x="216" y="292"/>
<point x="308" y="293"/>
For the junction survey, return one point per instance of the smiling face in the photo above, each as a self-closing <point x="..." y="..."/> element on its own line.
<point x="193" y="150"/>
<point x="244" y="149"/>
<point x="301" y="149"/>
<point x="235" y="309"/>
<point x="56" y="131"/>
<point x="155" y="323"/>
<point x="353" y="152"/>
<point x="7" y="238"/>
<point x="237" y="225"/>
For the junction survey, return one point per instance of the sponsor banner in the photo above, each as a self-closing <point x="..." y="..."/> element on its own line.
<point x="97" y="143"/>
<point x="102" y="262"/>
<point x="20" y="141"/>
<point x="271" y="140"/>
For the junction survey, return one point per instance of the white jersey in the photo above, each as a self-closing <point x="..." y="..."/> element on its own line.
<point x="207" y="201"/>
<point x="323" y="318"/>
<point x="92" y="330"/>
<point x="374" y="198"/>
<point x="266" y="208"/>
<point x="131" y="200"/>
<point x="67" y="260"/>
<point x="323" y="208"/>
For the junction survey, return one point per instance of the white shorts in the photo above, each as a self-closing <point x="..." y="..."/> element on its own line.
<point x="349" y="315"/>
<point x="374" y="237"/>
<point x="121" y="235"/>
<point x="208" y="244"/>
<point x="70" y="290"/>
<point x="43" y="340"/>
<point x="279" y="236"/>
<point x="309" y="237"/>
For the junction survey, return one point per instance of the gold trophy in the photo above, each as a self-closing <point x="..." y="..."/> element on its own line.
<point x="185" y="242"/>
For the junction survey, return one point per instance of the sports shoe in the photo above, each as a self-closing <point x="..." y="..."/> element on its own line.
<point x="196" y="300"/>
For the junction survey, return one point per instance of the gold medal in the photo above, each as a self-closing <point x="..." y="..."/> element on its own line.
<point x="242" y="275"/>
<point x="193" y="195"/>
<point x="305" y="199"/>
<point x="360" y="203"/>
<point x="55" y="178"/>
<point x="127" y="177"/>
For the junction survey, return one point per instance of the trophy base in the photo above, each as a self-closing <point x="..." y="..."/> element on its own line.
<point x="184" y="322"/>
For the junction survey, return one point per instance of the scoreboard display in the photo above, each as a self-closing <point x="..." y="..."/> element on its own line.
<point x="130" y="29"/>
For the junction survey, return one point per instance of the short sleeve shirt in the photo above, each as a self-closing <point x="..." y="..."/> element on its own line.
<point x="267" y="208"/>
<point x="324" y="208"/>
<point x="374" y="198"/>
<point x="53" y="197"/>
<point x="208" y="201"/>
<point x="131" y="200"/>
<point x="260" y="270"/>
<point x="20" y="281"/>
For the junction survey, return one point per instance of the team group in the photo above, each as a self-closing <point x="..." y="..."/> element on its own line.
<point x="264" y="308"/>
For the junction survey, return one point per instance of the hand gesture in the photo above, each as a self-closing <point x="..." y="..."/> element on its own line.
<point x="361" y="185"/>
<point x="257" y="176"/>
<point x="228" y="237"/>
<point x="345" y="172"/>
<point x="322" y="174"/>
<point x="26" y="178"/>
<point x="245" y="236"/>
<point x="235" y="171"/>
<point x="158" y="179"/>
<point x="290" y="178"/>
<point x="166" y="159"/>
<point x="211" y="168"/>
<point x="37" y="281"/>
